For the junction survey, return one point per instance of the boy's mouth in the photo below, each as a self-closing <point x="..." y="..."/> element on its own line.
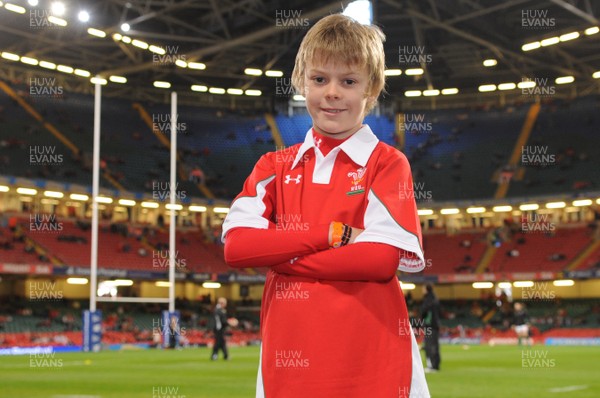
<point x="332" y="111"/>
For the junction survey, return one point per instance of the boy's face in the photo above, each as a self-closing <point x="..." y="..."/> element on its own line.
<point x="336" y="98"/>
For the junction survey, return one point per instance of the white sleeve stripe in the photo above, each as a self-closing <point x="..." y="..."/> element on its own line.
<point x="381" y="227"/>
<point x="247" y="211"/>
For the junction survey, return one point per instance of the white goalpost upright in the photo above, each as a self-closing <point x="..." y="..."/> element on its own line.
<point x="92" y="319"/>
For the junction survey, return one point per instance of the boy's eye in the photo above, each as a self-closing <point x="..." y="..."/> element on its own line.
<point x="319" y="79"/>
<point x="350" y="82"/>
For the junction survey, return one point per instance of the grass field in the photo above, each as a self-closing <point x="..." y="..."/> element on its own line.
<point x="480" y="371"/>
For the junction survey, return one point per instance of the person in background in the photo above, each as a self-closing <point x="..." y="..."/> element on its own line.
<point x="430" y="313"/>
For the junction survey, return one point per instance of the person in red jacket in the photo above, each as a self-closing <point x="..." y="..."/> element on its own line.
<point x="334" y="218"/>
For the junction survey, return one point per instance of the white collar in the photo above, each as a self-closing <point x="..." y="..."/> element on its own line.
<point x="358" y="147"/>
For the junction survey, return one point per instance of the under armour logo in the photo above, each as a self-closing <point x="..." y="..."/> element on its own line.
<point x="288" y="178"/>
<point x="318" y="142"/>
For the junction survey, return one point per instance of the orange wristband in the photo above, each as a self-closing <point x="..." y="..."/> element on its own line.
<point x="337" y="234"/>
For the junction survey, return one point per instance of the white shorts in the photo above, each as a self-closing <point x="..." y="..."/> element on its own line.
<point x="522" y="330"/>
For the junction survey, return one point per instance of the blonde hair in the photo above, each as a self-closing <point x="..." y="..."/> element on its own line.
<point x="343" y="39"/>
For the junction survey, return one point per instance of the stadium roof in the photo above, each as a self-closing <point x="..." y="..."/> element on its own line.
<point x="449" y="40"/>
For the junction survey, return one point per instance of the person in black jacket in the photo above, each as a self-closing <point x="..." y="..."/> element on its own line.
<point x="430" y="313"/>
<point x="219" y="326"/>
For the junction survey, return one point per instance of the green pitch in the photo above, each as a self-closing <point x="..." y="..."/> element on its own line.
<point x="481" y="372"/>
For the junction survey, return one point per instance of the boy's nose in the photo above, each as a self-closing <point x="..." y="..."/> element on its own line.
<point x="332" y="91"/>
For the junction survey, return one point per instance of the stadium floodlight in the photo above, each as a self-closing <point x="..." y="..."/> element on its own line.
<point x="526" y="84"/>
<point x="211" y="285"/>
<point x="449" y="91"/>
<point x="150" y="205"/>
<point x="486" y="88"/>
<point x="161" y="84"/>
<point x="96" y="32"/>
<point x="103" y="199"/>
<point x="197" y="208"/>
<point x="592" y="31"/>
<point x="529" y="207"/>
<point x="181" y="63"/>
<point x="556" y="205"/>
<point x="121" y="282"/>
<point x="199" y="88"/>
<point x="157" y="50"/>
<point x="29" y="61"/>
<point x="162" y="284"/>
<point x="531" y="46"/>
<point x="482" y="285"/>
<point x="407" y="286"/>
<point x="78" y="196"/>
<point x="523" y="283"/>
<point x="431" y="93"/>
<point x="222" y="210"/>
<point x="46" y="201"/>
<point x="64" y="69"/>
<point x="550" y="41"/>
<point x="298" y="97"/>
<point x="490" y="62"/>
<point x="118" y="79"/>
<point x="582" y="202"/>
<point x="274" y="73"/>
<point x="392" y="72"/>
<point x="504" y="285"/>
<point x="83" y="16"/>
<point x="32" y="3"/>
<point x="125" y="27"/>
<point x="10" y="56"/>
<point x="507" y="86"/>
<point x="196" y="65"/>
<point x="4" y="188"/>
<point x="127" y="202"/>
<point x="126" y="39"/>
<point x="449" y="211"/>
<point x="98" y="80"/>
<point x="235" y="91"/>
<point x="82" y="72"/>
<point x="424" y="212"/>
<point x="140" y="44"/>
<point x="564" y="79"/>
<point x="596" y="75"/>
<point x="412" y="93"/>
<point x="15" y="8"/>
<point x="216" y="90"/>
<point x="57" y="21"/>
<point x="173" y="207"/>
<point x="253" y="72"/>
<point x="117" y="36"/>
<point x="77" y="281"/>
<point x="47" y="65"/>
<point x="253" y="93"/>
<point x="501" y="209"/>
<point x="26" y="191"/>
<point x="54" y="194"/>
<point x="475" y="210"/>
<point x="569" y="36"/>
<point x="598" y="201"/>
<point x="563" y="282"/>
<point x="414" y="72"/>
<point x="58" y="8"/>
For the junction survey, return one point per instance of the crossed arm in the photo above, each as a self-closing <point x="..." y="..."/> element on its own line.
<point x="307" y="254"/>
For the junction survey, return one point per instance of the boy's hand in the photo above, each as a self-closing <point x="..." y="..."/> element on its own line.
<point x="354" y="234"/>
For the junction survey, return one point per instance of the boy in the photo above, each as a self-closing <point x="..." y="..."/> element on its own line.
<point x="333" y="218"/>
